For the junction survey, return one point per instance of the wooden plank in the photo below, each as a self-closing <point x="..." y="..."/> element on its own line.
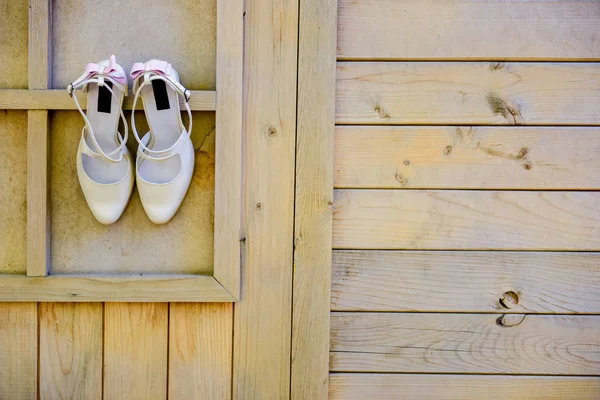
<point x="469" y="29"/>
<point x="38" y="219"/>
<point x="16" y="99"/>
<point x="90" y="287"/>
<point x="461" y="387"/>
<point x="469" y="220"/>
<point x="460" y="343"/>
<point x="503" y="282"/>
<point x="70" y="351"/>
<point x="314" y="199"/>
<point x="18" y="351"/>
<point x="468" y="93"/>
<point x="135" y="351"/>
<point x="467" y="157"/>
<point x="228" y="163"/>
<point x="38" y="224"/>
<point x="261" y="359"/>
<point x="40" y="31"/>
<point x="200" y="351"/>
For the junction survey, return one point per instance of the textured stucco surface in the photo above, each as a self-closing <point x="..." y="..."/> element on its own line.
<point x="79" y="244"/>
<point x="13" y="191"/>
<point x="182" y="32"/>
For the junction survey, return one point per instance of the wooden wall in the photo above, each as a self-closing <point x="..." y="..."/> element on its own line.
<point x="466" y="213"/>
<point x="160" y="350"/>
<point x="112" y="350"/>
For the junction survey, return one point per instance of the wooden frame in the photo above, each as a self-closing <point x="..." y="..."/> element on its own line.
<point x="226" y="101"/>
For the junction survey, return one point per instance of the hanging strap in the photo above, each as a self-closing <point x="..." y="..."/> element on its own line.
<point x="99" y="74"/>
<point x="146" y="73"/>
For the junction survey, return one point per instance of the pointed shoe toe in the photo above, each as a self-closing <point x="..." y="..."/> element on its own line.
<point x="106" y="186"/>
<point x="161" y="198"/>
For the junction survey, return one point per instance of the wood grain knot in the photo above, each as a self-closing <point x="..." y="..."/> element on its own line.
<point x="507" y="109"/>
<point x="382" y="112"/>
<point x="401" y="179"/>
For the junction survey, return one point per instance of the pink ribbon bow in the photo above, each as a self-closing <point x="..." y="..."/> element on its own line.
<point x="155" y="66"/>
<point x="110" y="70"/>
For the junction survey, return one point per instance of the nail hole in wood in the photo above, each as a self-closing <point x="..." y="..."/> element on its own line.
<point x="509" y="299"/>
<point x="510" y="320"/>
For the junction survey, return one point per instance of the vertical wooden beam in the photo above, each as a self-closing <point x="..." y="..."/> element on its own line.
<point x="40" y="25"/>
<point x="18" y="351"/>
<point x="200" y="350"/>
<point x="228" y="166"/>
<point x="262" y="324"/>
<point x="70" y="351"/>
<point x="314" y="199"/>
<point x="38" y="246"/>
<point x="38" y="243"/>
<point x="135" y="350"/>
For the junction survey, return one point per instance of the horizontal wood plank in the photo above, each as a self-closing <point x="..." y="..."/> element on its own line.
<point x="469" y="29"/>
<point x="92" y="288"/>
<point x="466" y="220"/>
<point x="17" y="99"/>
<point x="435" y="157"/>
<point x="462" y="281"/>
<point x="465" y="343"/>
<point x="461" y="387"/>
<point x="495" y="93"/>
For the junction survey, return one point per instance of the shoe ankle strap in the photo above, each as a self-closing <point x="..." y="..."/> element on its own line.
<point x="160" y="155"/>
<point x="97" y="74"/>
<point x="143" y="74"/>
<point x="159" y="69"/>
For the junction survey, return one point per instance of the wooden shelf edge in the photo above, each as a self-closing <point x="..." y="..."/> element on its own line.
<point x="115" y="288"/>
<point x="25" y="99"/>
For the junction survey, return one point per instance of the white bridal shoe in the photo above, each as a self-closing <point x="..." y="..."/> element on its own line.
<point x="165" y="158"/>
<point x="104" y="165"/>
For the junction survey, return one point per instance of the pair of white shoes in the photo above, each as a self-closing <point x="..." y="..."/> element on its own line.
<point x="165" y="158"/>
